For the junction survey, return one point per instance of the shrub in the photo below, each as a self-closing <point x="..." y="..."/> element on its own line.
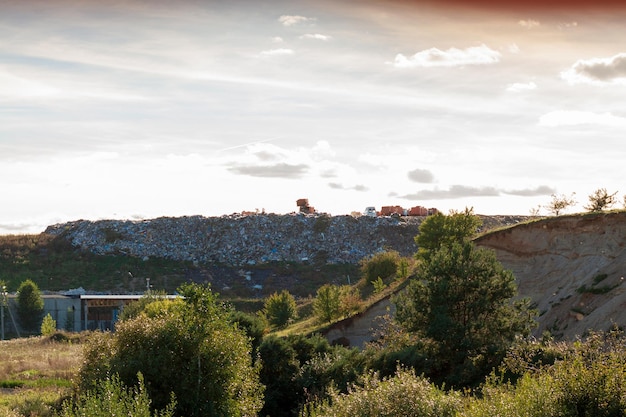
<point x="382" y="265"/>
<point x="48" y="325"/>
<point x="112" y="398"/>
<point x="349" y="300"/>
<point x="280" y="308"/>
<point x="402" y="395"/>
<point x="327" y="303"/>
<point x="190" y="348"/>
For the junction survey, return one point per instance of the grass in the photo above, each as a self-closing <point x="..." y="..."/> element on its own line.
<point x="36" y="373"/>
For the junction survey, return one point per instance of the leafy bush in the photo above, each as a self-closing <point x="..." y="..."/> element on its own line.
<point x="532" y="396"/>
<point x="383" y="265"/>
<point x="112" y="398"/>
<point x="327" y="303"/>
<point x="585" y="378"/>
<point x="299" y="368"/>
<point x="48" y="325"/>
<point x="280" y="308"/>
<point x="349" y="300"/>
<point x="402" y="395"/>
<point x="278" y="373"/>
<point x="188" y="347"/>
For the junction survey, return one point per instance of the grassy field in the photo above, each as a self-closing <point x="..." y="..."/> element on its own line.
<point x="36" y="373"/>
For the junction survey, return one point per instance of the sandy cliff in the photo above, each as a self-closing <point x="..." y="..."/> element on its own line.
<point x="572" y="267"/>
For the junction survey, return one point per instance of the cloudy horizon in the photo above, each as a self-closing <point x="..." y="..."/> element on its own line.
<point x="137" y="109"/>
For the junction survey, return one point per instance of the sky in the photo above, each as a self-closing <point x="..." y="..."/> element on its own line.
<point x="139" y="109"/>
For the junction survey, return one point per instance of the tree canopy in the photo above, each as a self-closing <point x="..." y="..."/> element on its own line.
<point x="29" y="305"/>
<point x="462" y="300"/>
<point x="188" y="347"/>
<point x="441" y="230"/>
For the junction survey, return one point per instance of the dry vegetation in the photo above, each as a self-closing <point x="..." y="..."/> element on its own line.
<point x="36" y="373"/>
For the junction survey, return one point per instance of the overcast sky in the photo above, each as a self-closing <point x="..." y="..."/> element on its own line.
<point x="139" y="109"/>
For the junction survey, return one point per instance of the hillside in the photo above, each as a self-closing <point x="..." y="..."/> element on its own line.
<point x="572" y="267"/>
<point x="240" y="255"/>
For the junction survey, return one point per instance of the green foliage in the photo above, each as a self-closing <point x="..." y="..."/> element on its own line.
<point x="601" y="200"/>
<point x="326" y="305"/>
<point x="280" y="308"/>
<point x="299" y="368"/>
<point x="254" y="327"/>
<point x="112" y="398"/>
<point x="382" y="265"/>
<point x="133" y="309"/>
<point x="349" y="300"/>
<point x="586" y="378"/>
<point x="379" y="285"/>
<point x="48" y="325"/>
<point x="404" y="395"/>
<point x="441" y="230"/>
<point x="532" y="396"/>
<point x="462" y="302"/>
<point x="189" y="347"/>
<point x="29" y="305"/>
<point x="278" y="374"/>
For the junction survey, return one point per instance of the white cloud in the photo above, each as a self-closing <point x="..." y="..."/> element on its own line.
<point x="277" y="39"/>
<point x="529" y="24"/>
<point x="279" y="51"/>
<point x="288" y="20"/>
<point x="519" y="87"/>
<point x="576" y="118"/>
<point x="598" y="70"/>
<point x="433" y="57"/>
<point x="316" y="36"/>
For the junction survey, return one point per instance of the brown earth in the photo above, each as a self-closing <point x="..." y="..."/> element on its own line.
<point x="571" y="267"/>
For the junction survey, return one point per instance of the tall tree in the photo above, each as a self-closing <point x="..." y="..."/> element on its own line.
<point x="463" y="302"/>
<point x="29" y="305"/>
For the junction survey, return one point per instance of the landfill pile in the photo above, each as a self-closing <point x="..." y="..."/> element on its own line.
<point x="240" y="240"/>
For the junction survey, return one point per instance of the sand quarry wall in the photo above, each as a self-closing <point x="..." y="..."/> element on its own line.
<point x="572" y="268"/>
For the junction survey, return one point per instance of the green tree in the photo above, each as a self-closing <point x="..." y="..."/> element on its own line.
<point x="188" y="347"/>
<point x="29" y="305"/>
<point x="463" y="302"/>
<point x="383" y="264"/>
<point x="442" y="230"/>
<point x="48" y="325"/>
<point x="280" y="308"/>
<point x="326" y="305"/>
<point x="349" y="300"/>
<point x="278" y="373"/>
<point x="601" y="200"/>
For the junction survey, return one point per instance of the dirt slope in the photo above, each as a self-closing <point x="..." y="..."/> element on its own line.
<point x="572" y="267"/>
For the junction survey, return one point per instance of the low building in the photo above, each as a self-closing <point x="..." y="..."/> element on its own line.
<point x="78" y="312"/>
